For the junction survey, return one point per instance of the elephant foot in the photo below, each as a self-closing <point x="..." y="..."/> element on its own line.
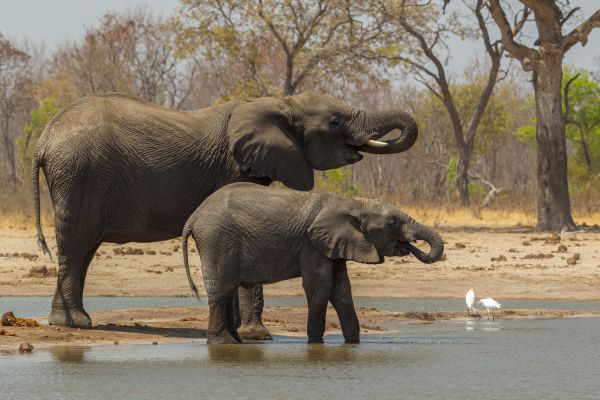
<point x="254" y="331"/>
<point x="70" y="318"/>
<point x="224" y="338"/>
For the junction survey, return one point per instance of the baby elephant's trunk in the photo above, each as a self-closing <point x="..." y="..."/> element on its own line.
<point x="422" y="232"/>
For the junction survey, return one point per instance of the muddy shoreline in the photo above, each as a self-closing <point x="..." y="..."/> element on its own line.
<point x="188" y="325"/>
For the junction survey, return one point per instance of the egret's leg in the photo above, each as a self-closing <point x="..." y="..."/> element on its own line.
<point x="493" y="316"/>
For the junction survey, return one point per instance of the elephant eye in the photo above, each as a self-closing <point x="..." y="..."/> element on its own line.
<point x="335" y="121"/>
<point x="391" y="222"/>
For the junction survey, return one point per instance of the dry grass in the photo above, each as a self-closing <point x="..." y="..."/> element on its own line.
<point x="486" y="218"/>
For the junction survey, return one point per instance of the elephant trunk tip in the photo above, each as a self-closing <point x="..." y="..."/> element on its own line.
<point x="435" y="242"/>
<point x="385" y="123"/>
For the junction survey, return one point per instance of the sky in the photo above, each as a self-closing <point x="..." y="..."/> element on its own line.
<point x="52" y="22"/>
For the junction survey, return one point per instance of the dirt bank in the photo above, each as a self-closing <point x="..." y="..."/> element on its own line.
<point x="162" y="325"/>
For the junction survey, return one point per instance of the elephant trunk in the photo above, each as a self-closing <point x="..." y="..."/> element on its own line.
<point x="422" y="232"/>
<point x="379" y="124"/>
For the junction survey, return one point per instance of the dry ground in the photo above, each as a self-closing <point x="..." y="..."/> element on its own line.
<point x="501" y="264"/>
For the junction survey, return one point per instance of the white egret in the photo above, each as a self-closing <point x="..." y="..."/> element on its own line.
<point x="470" y="300"/>
<point x="490" y="303"/>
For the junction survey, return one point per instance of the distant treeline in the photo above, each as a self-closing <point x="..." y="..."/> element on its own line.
<point x="477" y="143"/>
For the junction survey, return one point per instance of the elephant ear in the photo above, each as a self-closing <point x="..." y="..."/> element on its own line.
<point x="263" y="142"/>
<point x="337" y="233"/>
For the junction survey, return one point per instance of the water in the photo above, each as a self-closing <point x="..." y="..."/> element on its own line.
<point x="540" y="359"/>
<point x="40" y="306"/>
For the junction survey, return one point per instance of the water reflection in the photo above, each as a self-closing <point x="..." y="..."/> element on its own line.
<point x="301" y="353"/>
<point x="70" y="354"/>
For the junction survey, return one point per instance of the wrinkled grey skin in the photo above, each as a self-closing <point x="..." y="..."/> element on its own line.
<point x="120" y="169"/>
<point x="248" y="234"/>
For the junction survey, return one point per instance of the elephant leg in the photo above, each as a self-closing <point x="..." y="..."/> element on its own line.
<point x="251" y="304"/>
<point x="341" y="299"/>
<point x="67" y="303"/>
<point x="317" y="287"/>
<point x="220" y="315"/>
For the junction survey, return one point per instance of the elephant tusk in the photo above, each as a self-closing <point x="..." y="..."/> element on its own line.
<point x="376" y="143"/>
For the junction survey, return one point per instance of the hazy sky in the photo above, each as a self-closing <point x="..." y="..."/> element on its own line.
<point x="51" y="22"/>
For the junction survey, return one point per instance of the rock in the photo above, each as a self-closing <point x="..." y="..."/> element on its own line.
<point x="553" y="239"/>
<point x="526" y="243"/>
<point x="121" y="251"/>
<point x="154" y="343"/>
<point x="150" y="252"/>
<point x="116" y="343"/>
<point x="576" y="256"/>
<point x="460" y="245"/>
<point x="25" y="348"/>
<point x="169" y="269"/>
<point x="538" y="256"/>
<point x="562" y="248"/>
<point x="9" y="319"/>
<point x="571" y="261"/>
<point x="176" y="248"/>
<point x="41" y="272"/>
<point x="499" y="258"/>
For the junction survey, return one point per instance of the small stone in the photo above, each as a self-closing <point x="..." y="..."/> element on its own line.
<point x="116" y="343"/>
<point x="501" y="257"/>
<point x="154" y="343"/>
<point x="526" y="243"/>
<point x="460" y="245"/>
<point x="25" y="348"/>
<point x="8" y="319"/>
<point x="150" y="252"/>
<point x="562" y="248"/>
<point x="576" y="256"/>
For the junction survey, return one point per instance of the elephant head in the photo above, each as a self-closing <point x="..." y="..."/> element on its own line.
<point x="366" y="232"/>
<point x="286" y="139"/>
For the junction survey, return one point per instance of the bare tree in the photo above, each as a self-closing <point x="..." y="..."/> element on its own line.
<point x="425" y="57"/>
<point x="132" y="52"/>
<point x="545" y="60"/>
<point x="15" y="76"/>
<point x="278" y="47"/>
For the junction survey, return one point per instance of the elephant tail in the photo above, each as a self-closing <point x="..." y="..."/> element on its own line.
<point x="35" y="175"/>
<point x="187" y="231"/>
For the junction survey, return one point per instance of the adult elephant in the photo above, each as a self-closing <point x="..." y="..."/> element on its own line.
<point x="120" y="169"/>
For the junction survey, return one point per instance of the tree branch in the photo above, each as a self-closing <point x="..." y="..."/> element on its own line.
<point x="526" y="55"/>
<point x="567" y="107"/>
<point x="580" y="34"/>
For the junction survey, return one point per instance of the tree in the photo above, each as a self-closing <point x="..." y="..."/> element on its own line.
<point x="582" y="116"/>
<point x="15" y="77"/>
<point x="545" y="60"/>
<point x="423" y="55"/>
<point x="272" y="47"/>
<point x="132" y="53"/>
<point x="40" y="116"/>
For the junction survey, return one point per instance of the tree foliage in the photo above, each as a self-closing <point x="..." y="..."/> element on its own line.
<point x="271" y="47"/>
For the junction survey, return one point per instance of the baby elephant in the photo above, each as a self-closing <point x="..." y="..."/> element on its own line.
<point x="248" y="234"/>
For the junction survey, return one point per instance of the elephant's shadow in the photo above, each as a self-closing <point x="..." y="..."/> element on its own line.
<point x="178" y="332"/>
